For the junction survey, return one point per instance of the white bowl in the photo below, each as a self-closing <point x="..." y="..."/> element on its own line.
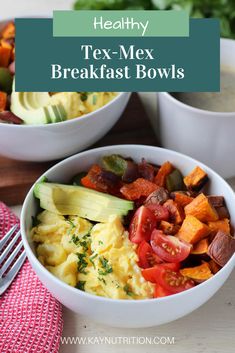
<point x="126" y="313"/>
<point x="38" y="143"/>
<point x="204" y="135"/>
<point x="54" y="141"/>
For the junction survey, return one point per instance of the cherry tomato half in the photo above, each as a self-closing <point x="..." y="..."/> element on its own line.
<point x="168" y="247"/>
<point x="151" y="274"/>
<point x="161" y="213"/>
<point x="173" y="281"/>
<point x="142" y="225"/>
<point x="147" y="257"/>
<point x="160" y="292"/>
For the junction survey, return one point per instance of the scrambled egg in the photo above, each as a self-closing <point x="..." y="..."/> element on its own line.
<point x="99" y="259"/>
<point x="79" y="103"/>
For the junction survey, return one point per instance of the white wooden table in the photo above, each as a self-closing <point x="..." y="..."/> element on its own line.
<point x="210" y="329"/>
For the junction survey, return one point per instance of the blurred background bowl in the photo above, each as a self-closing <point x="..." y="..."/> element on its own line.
<point x="204" y="135"/>
<point x="47" y="142"/>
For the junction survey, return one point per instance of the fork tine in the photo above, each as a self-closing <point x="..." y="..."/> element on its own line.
<point x="9" y="247"/>
<point x="6" y="281"/>
<point x="10" y="259"/>
<point x="7" y="236"/>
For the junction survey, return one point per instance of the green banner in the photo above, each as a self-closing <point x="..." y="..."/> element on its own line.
<point x="120" y="24"/>
<point x="183" y="64"/>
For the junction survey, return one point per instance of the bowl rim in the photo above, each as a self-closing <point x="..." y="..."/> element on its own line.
<point x="209" y="113"/>
<point x="110" y="300"/>
<point x="70" y="121"/>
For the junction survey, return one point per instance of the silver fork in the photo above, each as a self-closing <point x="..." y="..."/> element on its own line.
<point x="17" y="256"/>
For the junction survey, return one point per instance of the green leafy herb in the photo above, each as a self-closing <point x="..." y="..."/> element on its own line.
<point x="75" y="239"/>
<point x="128" y="290"/>
<point x="101" y="279"/>
<point x="91" y="258"/>
<point x="222" y="9"/>
<point x="72" y="225"/>
<point x="82" y="263"/>
<point x="100" y="242"/>
<point x="107" y="268"/>
<point x="81" y="285"/>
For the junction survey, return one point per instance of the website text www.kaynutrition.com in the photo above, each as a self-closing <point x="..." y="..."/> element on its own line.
<point x="116" y="340"/>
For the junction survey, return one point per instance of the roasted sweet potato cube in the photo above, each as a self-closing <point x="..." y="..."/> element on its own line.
<point x="223" y="212"/>
<point x="216" y="201"/>
<point x="140" y="187"/>
<point x="222" y="248"/>
<point x="201" y="247"/>
<point x="181" y="198"/>
<point x="5" y="43"/>
<point x="193" y="230"/>
<point x="5" y="55"/>
<point x="196" y="179"/>
<point x="202" y="209"/>
<point x="169" y="228"/>
<point x="176" y="211"/>
<point x="8" y="31"/>
<point x="214" y="266"/>
<point x="221" y="224"/>
<point x="3" y="101"/>
<point x="165" y="169"/>
<point x="199" y="273"/>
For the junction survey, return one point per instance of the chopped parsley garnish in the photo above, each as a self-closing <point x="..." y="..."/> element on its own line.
<point x="91" y="258"/>
<point x="128" y="291"/>
<point x="84" y="244"/>
<point x="100" y="242"/>
<point x="80" y="285"/>
<point x="102" y="280"/>
<point x="72" y="225"/>
<point x="75" y="239"/>
<point x="84" y="241"/>
<point x="107" y="268"/>
<point x="82" y="263"/>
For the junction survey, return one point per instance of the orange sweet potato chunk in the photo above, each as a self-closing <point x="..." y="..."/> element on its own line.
<point x="164" y="171"/>
<point x="221" y="224"/>
<point x="193" y="230"/>
<point x="169" y="228"/>
<point x="201" y="247"/>
<point x="202" y="209"/>
<point x="214" y="266"/>
<point x="199" y="273"/>
<point x="5" y="55"/>
<point x="8" y="31"/>
<point x="3" y="101"/>
<point x="181" y="198"/>
<point x="176" y="211"/>
<point x="140" y="187"/>
<point x="196" y="179"/>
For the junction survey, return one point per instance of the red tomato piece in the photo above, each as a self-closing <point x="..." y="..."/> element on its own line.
<point x="160" y="212"/>
<point x="173" y="281"/>
<point x="168" y="247"/>
<point x="147" y="257"/>
<point x="151" y="274"/>
<point x="160" y="292"/>
<point x="142" y="225"/>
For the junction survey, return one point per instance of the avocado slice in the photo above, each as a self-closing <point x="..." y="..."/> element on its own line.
<point x="80" y="201"/>
<point x="35" y="108"/>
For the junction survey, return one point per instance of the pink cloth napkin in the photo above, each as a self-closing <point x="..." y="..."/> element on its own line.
<point x="30" y="318"/>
